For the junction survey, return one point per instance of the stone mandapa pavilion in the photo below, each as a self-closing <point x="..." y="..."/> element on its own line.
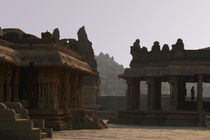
<point x="177" y="67"/>
<point x="45" y="75"/>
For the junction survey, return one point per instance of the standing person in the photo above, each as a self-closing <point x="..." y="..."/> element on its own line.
<point x="185" y="94"/>
<point x="192" y="93"/>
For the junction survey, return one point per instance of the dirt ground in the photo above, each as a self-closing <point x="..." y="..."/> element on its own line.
<point x="126" y="132"/>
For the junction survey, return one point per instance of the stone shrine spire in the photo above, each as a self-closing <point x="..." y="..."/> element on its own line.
<point x="82" y="35"/>
<point x="1" y="32"/>
<point x="56" y="34"/>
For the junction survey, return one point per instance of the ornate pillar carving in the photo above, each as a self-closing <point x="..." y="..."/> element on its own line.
<point x="133" y="94"/>
<point x="174" y="93"/>
<point x="200" y="93"/>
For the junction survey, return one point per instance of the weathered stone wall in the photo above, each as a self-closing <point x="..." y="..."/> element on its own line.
<point x="111" y="103"/>
<point x="117" y="103"/>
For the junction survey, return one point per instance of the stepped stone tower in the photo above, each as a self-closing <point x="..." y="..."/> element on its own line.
<point x="91" y="84"/>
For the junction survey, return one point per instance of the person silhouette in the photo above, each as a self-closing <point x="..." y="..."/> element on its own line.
<point x="185" y="94"/>
<point x="192" y="93"/>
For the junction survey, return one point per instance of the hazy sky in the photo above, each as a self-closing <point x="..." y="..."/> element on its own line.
<point x="113" y="25"/>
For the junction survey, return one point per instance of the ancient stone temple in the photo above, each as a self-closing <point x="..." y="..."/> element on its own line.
<point x="177" y="67"/>
<point x="46" y="76"/>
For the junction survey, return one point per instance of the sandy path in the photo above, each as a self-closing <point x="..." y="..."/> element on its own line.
<point x="125" y="132"/>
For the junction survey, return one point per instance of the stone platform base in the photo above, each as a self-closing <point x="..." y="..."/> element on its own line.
<point x="85" y="119"/>
<point x="176" y="118"/>
<point x="55" y="121"/>
<point x="73" y="119"/>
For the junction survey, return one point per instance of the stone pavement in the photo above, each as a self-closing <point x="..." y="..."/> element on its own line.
<point x="126" y="132"/>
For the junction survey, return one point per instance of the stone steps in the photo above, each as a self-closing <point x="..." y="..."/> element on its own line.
<point x="20" y="125"/>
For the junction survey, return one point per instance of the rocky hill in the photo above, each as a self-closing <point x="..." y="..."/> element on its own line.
<point x="112" y="86"/>
<point x="109" y="70"/>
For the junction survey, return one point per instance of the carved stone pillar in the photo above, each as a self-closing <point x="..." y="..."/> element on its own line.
<point x="174" y="93"/>
<point x="1" y="86"/>
<point x="76" y="90"/>
<point x="55" y="93"/>
<point x="72" y="92"/>
<point x="153" y="94"/>
<point x="1" y="91"/>
<point x="150" y="91"/>
<point x="181" y="93"/>
<point x="43" y="94"/>
<point x="66" y="90"/>
<point x="39" y="95"/>
<point x="80" y="90"/>
<point x="200" y="93"/>
<point x="49" y="103"/>
<point x="157" y="105"/>
<point x="136" y="94"/>
<point x="9" y="92"/>
<point x="8" y="84"/>
<point x="133" y="94"/>
<point x="16" y="85"/>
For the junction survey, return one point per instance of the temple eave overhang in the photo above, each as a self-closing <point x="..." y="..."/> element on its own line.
<point x="42" y="55"/>
<point x="166" y="71"/>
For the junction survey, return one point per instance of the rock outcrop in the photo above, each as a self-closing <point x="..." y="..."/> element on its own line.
<point x="109" y="69"/>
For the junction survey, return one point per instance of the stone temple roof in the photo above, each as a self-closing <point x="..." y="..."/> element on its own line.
<point x="207" y="48"/>
<point x="13" y="30"/>
<point x="50" y="54"/>
<point x="165" y="62"/>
